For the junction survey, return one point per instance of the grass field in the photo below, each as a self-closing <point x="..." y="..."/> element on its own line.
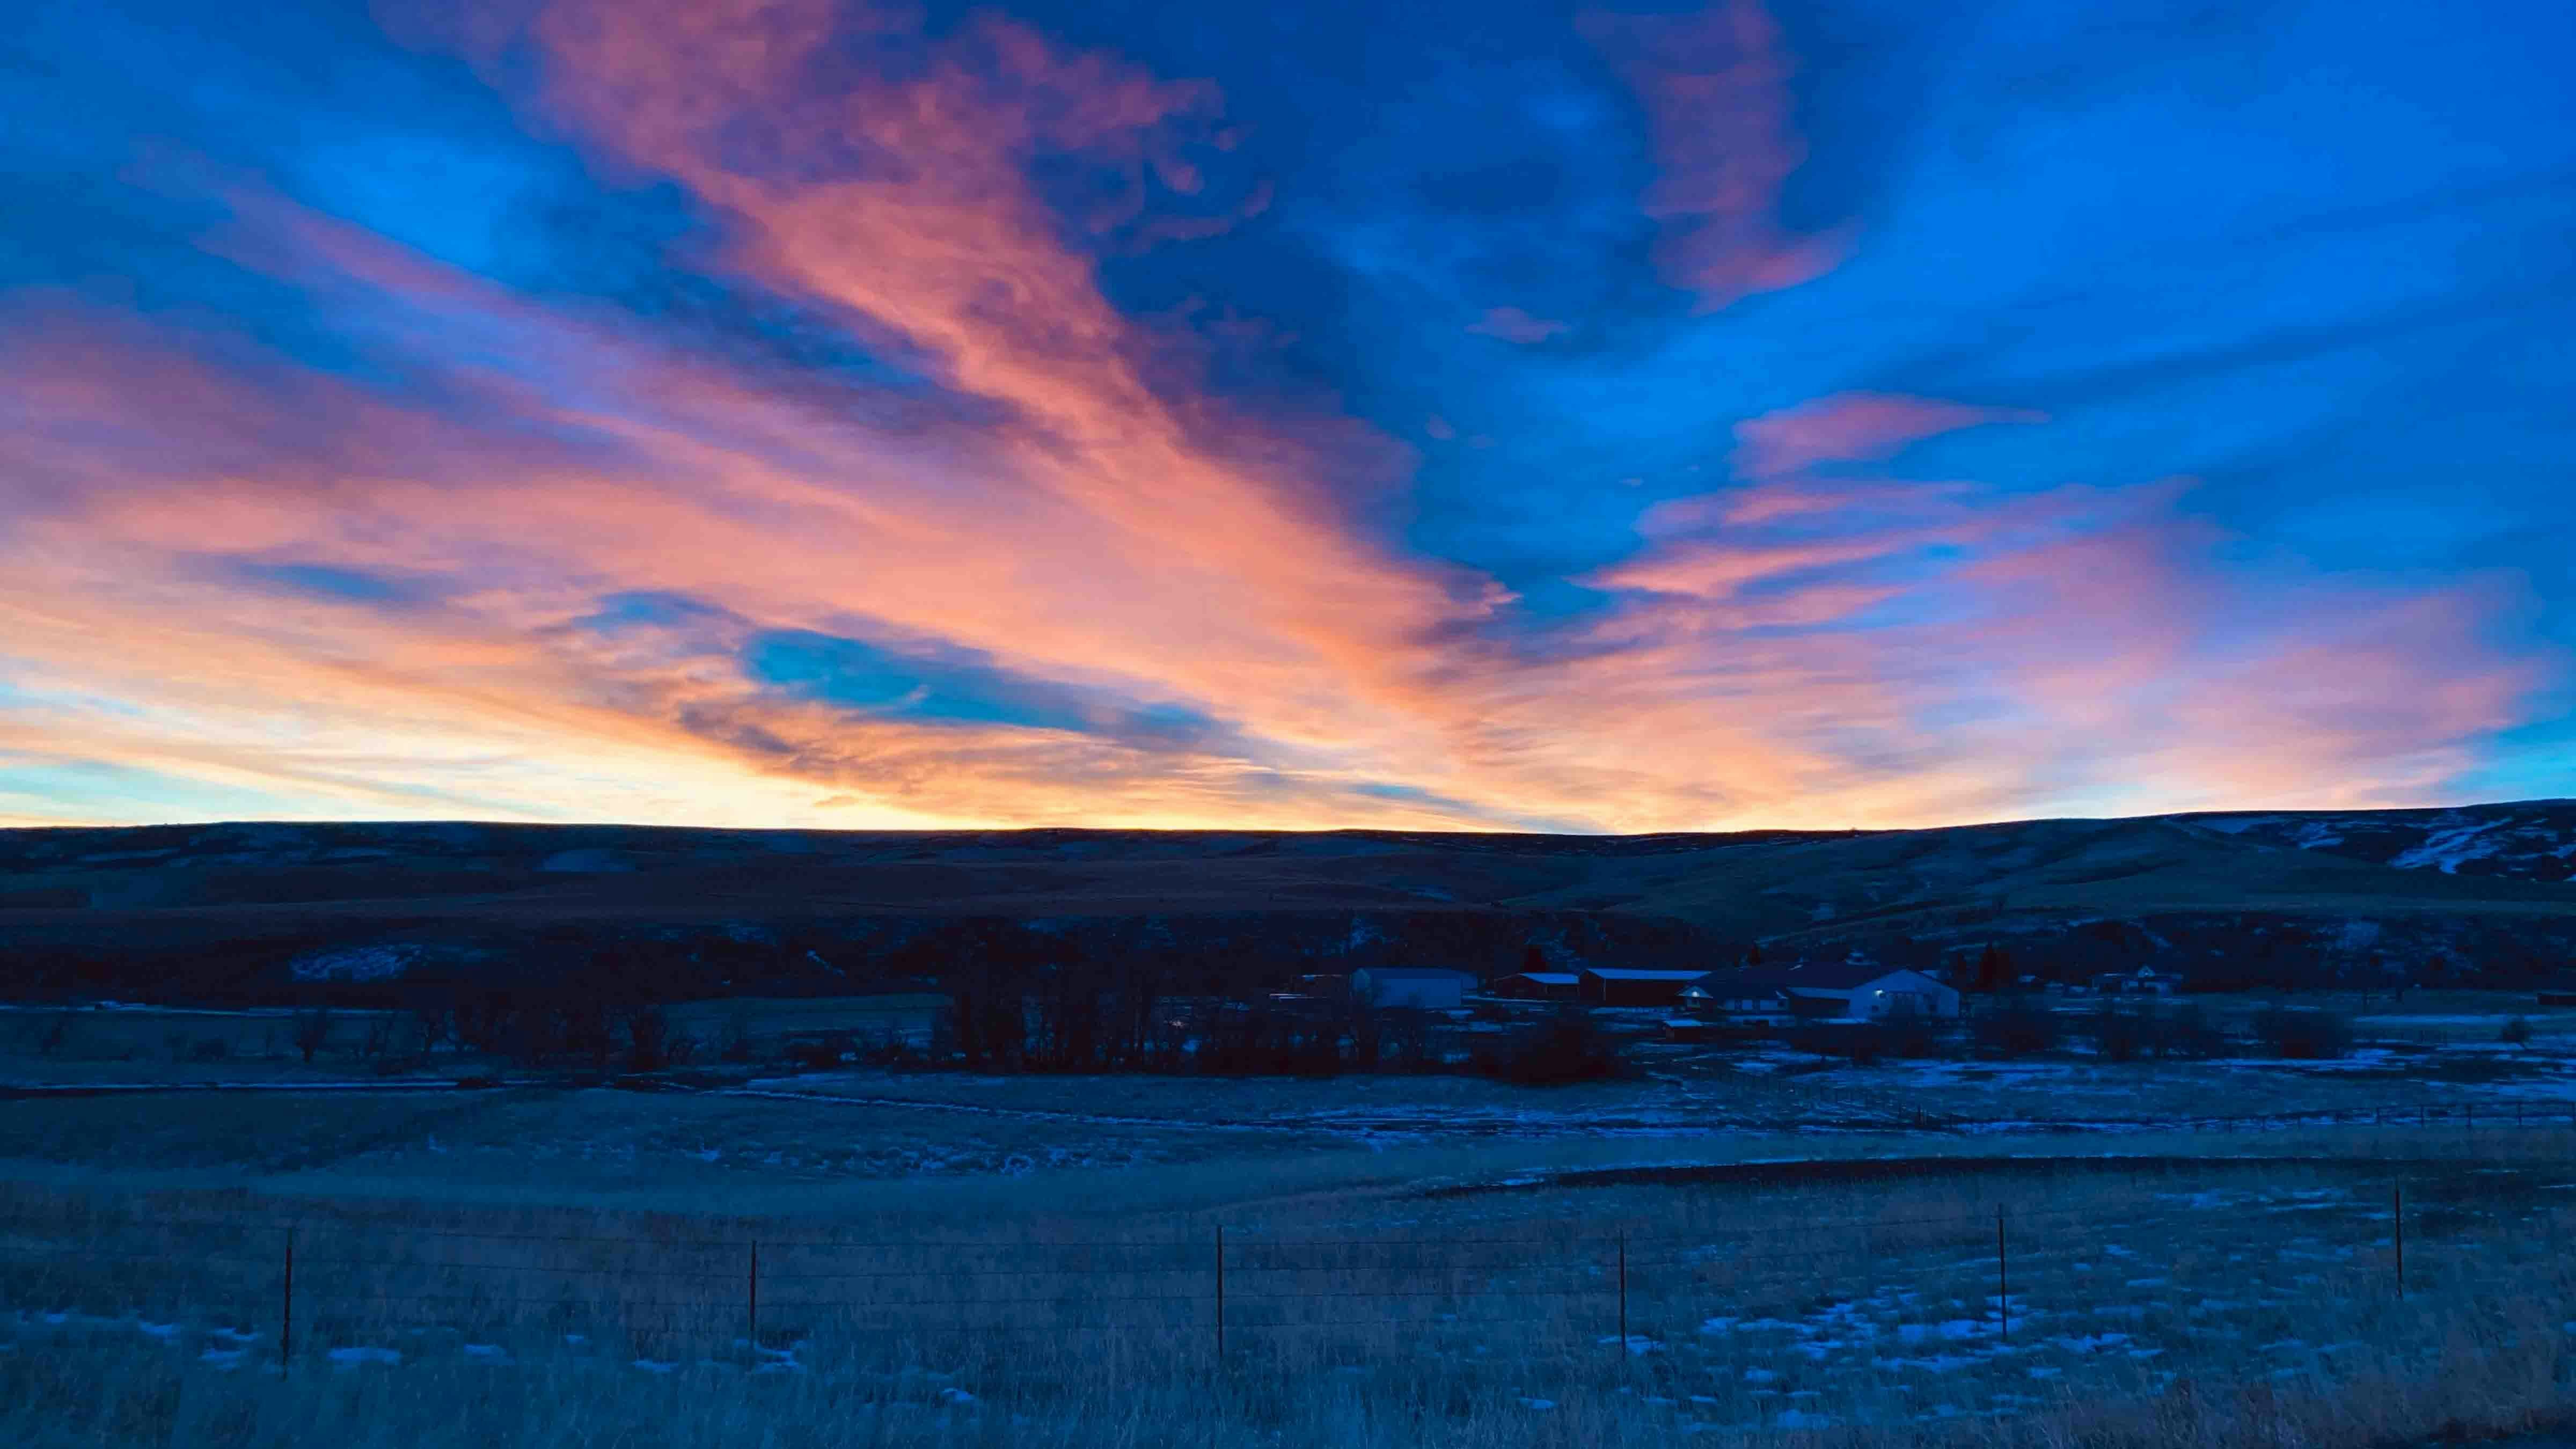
<point x="1737" y="1247"/>
<point x="1402" y="1299"/>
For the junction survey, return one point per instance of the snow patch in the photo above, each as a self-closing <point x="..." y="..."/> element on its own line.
<point x="356" y="963"/>
<point x="2447" y="850"/>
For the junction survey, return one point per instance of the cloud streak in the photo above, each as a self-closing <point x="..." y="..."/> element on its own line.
<point x="416" y="541"/>
<point x="1715" y="86"/>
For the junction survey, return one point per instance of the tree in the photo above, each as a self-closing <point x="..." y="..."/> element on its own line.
<point x="2517" y="1032"/>
<point x="1990" y="969"/>
<point x="2120" y="1035"/>
<point x="312" y="1029"/>
<point x="1568" y="1047"/>
<point x="2015" y="1030"/>
<point x="1533" y="957"/>
<point x="2304" y="1035"/>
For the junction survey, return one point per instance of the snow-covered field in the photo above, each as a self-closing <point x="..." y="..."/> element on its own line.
<point x="1744" y="1309"/>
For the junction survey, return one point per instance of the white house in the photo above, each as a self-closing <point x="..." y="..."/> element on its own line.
<point x="1727" y="996"/>
<point x="1429" y="988"/>
<point x="1857" y="989"/>
<point x="2145" y="981"/>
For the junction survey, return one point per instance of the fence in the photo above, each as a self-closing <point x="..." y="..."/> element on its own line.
<point x="1972" y="1277"/>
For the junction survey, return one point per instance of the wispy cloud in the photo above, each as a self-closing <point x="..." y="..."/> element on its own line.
<point x="1511" y="324"/>
<point x="1715" y="85"/>
<point x="982" y="535"/>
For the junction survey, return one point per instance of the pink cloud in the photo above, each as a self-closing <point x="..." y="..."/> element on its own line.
<point x="1511" y="324"/>
<point x="1853" y="427"/>
<point x="1715" y="85"/>
<point x="1074" y="505"/>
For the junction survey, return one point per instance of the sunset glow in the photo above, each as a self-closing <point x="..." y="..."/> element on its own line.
<point x="776" y="412"/>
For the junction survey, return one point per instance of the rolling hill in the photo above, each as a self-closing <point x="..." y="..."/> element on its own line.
<point x="2479" y="890"/>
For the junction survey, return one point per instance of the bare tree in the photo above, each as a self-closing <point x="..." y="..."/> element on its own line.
<point x="312" y="1029"/>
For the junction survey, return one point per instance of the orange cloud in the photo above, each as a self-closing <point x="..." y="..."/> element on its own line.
<point x="1069" y="503"/>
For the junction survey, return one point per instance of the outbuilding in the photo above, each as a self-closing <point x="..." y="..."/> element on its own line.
<point x="1426" y="988"/>
<point x="1724" y="996"/>
<point x="1853" y="990"/>
<point x="1621" y="986"/>
<point x="1537" y="986"/>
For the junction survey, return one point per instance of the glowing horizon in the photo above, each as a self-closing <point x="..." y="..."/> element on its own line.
<point x="783" y="413"/>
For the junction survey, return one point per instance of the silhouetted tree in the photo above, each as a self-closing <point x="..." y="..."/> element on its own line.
<point x="312" y="1029"/>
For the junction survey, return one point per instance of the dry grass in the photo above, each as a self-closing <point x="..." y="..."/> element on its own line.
<point x="2255" y="1302"/>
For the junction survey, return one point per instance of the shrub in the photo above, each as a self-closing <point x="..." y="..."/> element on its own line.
<point x="2120" y="1035"/>
<point x="737" y="1046"/>
<point x="820" y="1053"/>
<point x="1857" y="1043"/>
<point x="2017" y="1030"/>
<point x="1909" y="1036"/>
<point x="2186" y="1031"/>
<point x="210" y="1049"/>
<point x="2302" y="1035"/>
<point x="1567" y="1047"/>
<point x="2517" y="1032"/>
<point x="650" y="1044"/>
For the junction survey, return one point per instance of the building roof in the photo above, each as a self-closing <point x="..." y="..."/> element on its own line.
<point x="1621" y="973"/>
<point x="1416" y="973"/>
<point x="1545" y="978"/>
<point x="1819" y="976"/>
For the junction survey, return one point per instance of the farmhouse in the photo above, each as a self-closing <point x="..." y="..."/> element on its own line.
<point x="1726" y="996"/>
<point x="1854" y="990"/>
<point x="2145" y="981"/>
<point x="1536" y="986"/>
<point x="1429" y="988"/>
<point x="1618" y="986"/>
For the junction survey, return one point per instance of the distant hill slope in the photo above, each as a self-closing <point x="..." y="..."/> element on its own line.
<point x="2477" y="889"/>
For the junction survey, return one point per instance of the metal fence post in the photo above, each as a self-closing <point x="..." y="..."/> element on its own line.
<point x="286" y="1307"/>
<point x="1220" y="1291"/>
<point x="2003" y="1277"/>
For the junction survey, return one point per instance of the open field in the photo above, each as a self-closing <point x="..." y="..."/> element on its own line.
<point x="1749" y="1245"/>
<point x="1470" y="1297"/>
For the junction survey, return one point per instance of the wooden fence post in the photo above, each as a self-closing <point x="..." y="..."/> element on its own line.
<point x="2003" y="1277"/>
<point x="1220" y="1291"/>
<point x="2397" y="1222"/>
<point x="286" y="1307"/>
<point x="751" y="1304"/>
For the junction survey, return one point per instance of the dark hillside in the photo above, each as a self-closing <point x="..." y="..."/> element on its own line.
<point x="258" y="909"/>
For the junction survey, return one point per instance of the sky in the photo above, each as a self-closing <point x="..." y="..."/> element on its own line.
<point x="1464" y="414"/>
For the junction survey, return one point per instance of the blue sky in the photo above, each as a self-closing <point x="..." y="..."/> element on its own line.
<point x="1149" y="413"/>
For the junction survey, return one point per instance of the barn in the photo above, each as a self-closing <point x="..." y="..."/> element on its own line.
<point x="1619" y="986"/>
<point x="1537" y="986"/>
